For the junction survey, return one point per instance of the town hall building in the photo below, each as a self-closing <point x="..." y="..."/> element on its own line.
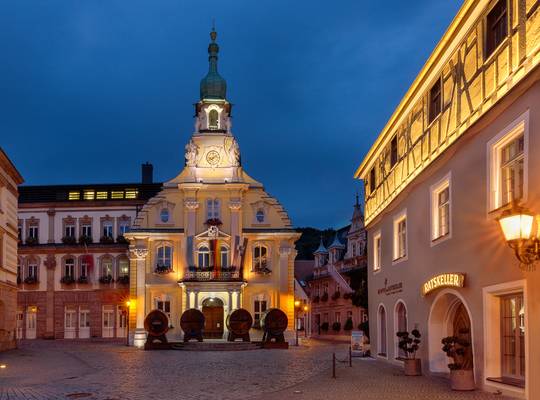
<point x="212" y="239"/>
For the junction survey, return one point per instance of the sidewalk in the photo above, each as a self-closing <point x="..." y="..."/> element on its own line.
<point x="370" y="379"/>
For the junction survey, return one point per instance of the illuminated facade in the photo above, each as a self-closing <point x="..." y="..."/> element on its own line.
<point x="9" y="180"/>
<point x="462" y="145"/>
<point x="213" y="238"/>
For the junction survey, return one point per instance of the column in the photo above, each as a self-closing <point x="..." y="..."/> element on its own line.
<point x="140" y="254"/>
<point x="191" y="204"/>
<point x="231" y="307"/>
<point x="50" y="264"/>
<point x="51" y="213"/>
<point x="235" y="205"/>
<point x="196" y="305"/>
<point x="286" y="289"/>
<point x="188" y="299"/>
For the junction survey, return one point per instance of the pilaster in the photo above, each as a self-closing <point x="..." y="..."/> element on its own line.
<point x="140" y="254"/>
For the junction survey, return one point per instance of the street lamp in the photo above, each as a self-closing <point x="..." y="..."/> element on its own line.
<point x="516" y="224"/>
<point x="305" y="323"/>
<point x="296" y="309"/>
<point x="128" y="303"/>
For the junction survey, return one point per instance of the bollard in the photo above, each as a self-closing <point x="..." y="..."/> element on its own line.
<point x="350" y="356"/>
<point x="334" y="365"/>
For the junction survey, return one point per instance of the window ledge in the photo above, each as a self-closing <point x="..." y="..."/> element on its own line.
<point x="520" y="383"/>
<point x="440" y="239"/>
<point x="399" y="260"/>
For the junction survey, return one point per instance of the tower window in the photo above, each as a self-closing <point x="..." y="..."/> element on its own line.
<point x="213" y="119"/>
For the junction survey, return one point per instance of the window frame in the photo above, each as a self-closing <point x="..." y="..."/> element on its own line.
<point x="433" y="113"/>
<point x="164" y="256"/>
<point x="260" y="257"/>
<point x="377" y="252"/>
<point x="394" y="153"/>
<point x="491" y="48"/>
<point x="518" y="127"/>
<point x="435" y="190"/>
<point x="213" y="208"/>
<point x="398" y="219"/>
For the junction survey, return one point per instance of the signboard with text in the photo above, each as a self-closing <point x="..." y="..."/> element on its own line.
<point x="455" y="280"/>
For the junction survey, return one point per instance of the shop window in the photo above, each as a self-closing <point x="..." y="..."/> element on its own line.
<point x="513" y="337"/>
<point x="496" y="26"/>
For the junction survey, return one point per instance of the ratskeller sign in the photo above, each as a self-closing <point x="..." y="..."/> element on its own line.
<point x="443" y="280"/>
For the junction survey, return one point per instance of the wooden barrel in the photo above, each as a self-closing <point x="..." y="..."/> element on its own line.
<point x="239" y="322"/>
<point x="156" y="323"/>
<point x="274" y="322"/>
<point x="192" y="323"/>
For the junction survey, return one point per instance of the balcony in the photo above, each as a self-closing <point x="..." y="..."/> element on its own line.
<point x="212" y="276"/>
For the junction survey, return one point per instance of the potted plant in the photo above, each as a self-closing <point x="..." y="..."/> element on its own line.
<point x="325" y="326"/>
<point x="409" y="343"/>
<point x="69" y="240"/>
<point x="162" y="269"/>
<point x="106" y="239"/>
<point x="461" y="372"/>
<point x="30" y="280"/>
<point x="348" y="325"/>
<point x="31" y="241"/>
<point x="124" y="280"/>
<point x="82" y="279"/>
<point x="336" y="326"/>
<point x="106" y="279"/>
<point x="122" y="239"/>
<point x="213" y="222"/>
<point x="84" y="239"/>
<point x="324" y="297"/>
<point x="67" y="280"/>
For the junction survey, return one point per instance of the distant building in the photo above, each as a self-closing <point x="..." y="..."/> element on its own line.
<point x="331" y="286"/>
<point x="9" y="180"/>
<point x="213" y="238"/>
<point x="460" y="150"/>
<point x="73" y="264"/>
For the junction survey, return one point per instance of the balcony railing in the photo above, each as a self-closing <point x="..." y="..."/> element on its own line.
<point x="205" y="276"/>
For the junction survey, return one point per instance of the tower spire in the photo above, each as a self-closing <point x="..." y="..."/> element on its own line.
<point x="213" y="86"/>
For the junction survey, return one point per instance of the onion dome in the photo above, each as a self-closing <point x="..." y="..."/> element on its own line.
<point x="213" y="86"/>
<point x="336" y="244"/>
<point x="321" y="249"/>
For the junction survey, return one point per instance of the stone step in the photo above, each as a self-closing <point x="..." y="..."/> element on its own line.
<point x="216" y="346"/>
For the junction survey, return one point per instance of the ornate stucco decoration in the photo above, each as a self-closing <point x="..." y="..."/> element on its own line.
<point x="191" y="204"/>
<point x="139" y="253"/>
<point x="50" y="262"/>
<point x="235" y="204"/>
<point x="192" y="152"/>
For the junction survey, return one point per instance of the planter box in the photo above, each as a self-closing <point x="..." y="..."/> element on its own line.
<point x="462" y="379"/>
<point x="412" y="367"/>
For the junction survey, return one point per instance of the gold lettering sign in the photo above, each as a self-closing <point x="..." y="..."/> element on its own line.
<point x="443" y="280"/>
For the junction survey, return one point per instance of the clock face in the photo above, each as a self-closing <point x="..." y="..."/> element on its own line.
<point x="212" y="157"/>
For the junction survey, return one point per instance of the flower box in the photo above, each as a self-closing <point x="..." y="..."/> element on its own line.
<point x="163" y="269"/>
<point x="67" y="280"/>
<point x="69" y="240"/>
<point x="32" y="241"/>
<point x="30" y="280"/>
<point x="124" y="280"/>
<point x="122" y="240"/>
<point x="106" y="240"/>
<point x="83" y="239"/>
<point x="82" y="279"/>
<point x="106" y="279"/>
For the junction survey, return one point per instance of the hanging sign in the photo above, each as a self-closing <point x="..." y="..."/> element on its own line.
<point x="442" y="281"/>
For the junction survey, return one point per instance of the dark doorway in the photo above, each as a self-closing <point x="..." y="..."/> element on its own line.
<point x="213" y="318"/>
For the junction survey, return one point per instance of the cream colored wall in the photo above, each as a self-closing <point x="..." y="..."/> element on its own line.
<point x="476" y="247"/>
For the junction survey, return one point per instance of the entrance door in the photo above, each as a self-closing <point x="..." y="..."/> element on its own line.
<point x="462" y="329"/>
<point x="84" y="324"/>
<point x="31" y="323"/>
<point x="121" y="321"/>
<point x="20" y="324"/>
<point x="213" y="318"/>
<point x="107" y="327"/>
<point x="70" y="324"/>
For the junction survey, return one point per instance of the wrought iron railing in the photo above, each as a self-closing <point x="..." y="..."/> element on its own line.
<point x="222" y="276"/>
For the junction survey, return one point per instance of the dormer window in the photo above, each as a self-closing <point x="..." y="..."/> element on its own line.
<point x="164" y="215"/>
<point x="259" y="216"/>
<point x="213" y="119"/>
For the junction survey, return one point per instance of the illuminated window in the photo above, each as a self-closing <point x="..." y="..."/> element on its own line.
<point x="400" y="236"/>
<point x="74" y="195"/>
<point x="101" y="195"/>
<point x="260" y="258"/>
<point x="117" y="194"/>
<point x="89" y="194"/>
<point x="213" y="209"/>
<point x="441" y="209"/>
<point x="203" y="256"/>
<point x="259" y="308"/>
<point x="496" y="26"/>
<point x="213" y="119"/>
<point x="513" y="337"/>
<point x="123" y="267"/>
<point x="435" y="100"/>
<point x="131" y="193"/>
<point x="164" y="256"/>
<point x="377" y="251"/>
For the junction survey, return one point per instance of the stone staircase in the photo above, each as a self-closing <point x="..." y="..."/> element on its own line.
<point x="216" y="346"/>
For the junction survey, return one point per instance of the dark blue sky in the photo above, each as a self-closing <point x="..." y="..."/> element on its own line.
<point x="91" y="89"/>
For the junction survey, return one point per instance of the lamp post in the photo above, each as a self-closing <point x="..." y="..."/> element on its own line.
<point x="296" y="309"/>
<point x="128" y="303"/>
<point x="517" y="226"/>
<point x="305" y="323"/>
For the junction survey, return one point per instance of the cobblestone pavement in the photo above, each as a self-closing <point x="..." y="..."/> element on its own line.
<point x="68" y="370"/>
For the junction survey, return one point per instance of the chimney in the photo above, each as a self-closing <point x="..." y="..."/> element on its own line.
<point x="147" y="173"/>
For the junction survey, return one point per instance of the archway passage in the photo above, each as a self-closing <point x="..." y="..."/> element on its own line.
<point x="213" y="318"/>
<point x="449" y="317"/>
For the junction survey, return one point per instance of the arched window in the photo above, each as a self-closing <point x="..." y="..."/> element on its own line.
<point x="106" y="268"/>
<point x="382" y="331"/>
<point x="204" y="257"/>
<point x="260" y="258"/>
<point x="400" y="325"/>
<point x="213" y="119"/>
<point x="164" y="215"/>
<point x="224" y="257"/>
<point x="260" y="216"/>
<point x="164" y="257"/>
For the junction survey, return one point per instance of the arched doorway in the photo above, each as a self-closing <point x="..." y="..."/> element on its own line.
<point x="400" y="325"/>
<point x="382" y="332"/>
<point x="212" y="308"/>
<point x="449" y="316"/>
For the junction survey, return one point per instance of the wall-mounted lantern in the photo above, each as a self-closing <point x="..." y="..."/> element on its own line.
<point x="517" y="227"/>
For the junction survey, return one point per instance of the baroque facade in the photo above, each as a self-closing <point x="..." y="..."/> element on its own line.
<point x="460" y="150"/>
<point x="336" y="277"/>
<point x="73" y="264"/>
<point x="212" y="238"/>
<point x="9" y="180"/>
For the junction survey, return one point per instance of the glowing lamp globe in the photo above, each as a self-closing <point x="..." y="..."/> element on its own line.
<point x="516" y="224"/>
